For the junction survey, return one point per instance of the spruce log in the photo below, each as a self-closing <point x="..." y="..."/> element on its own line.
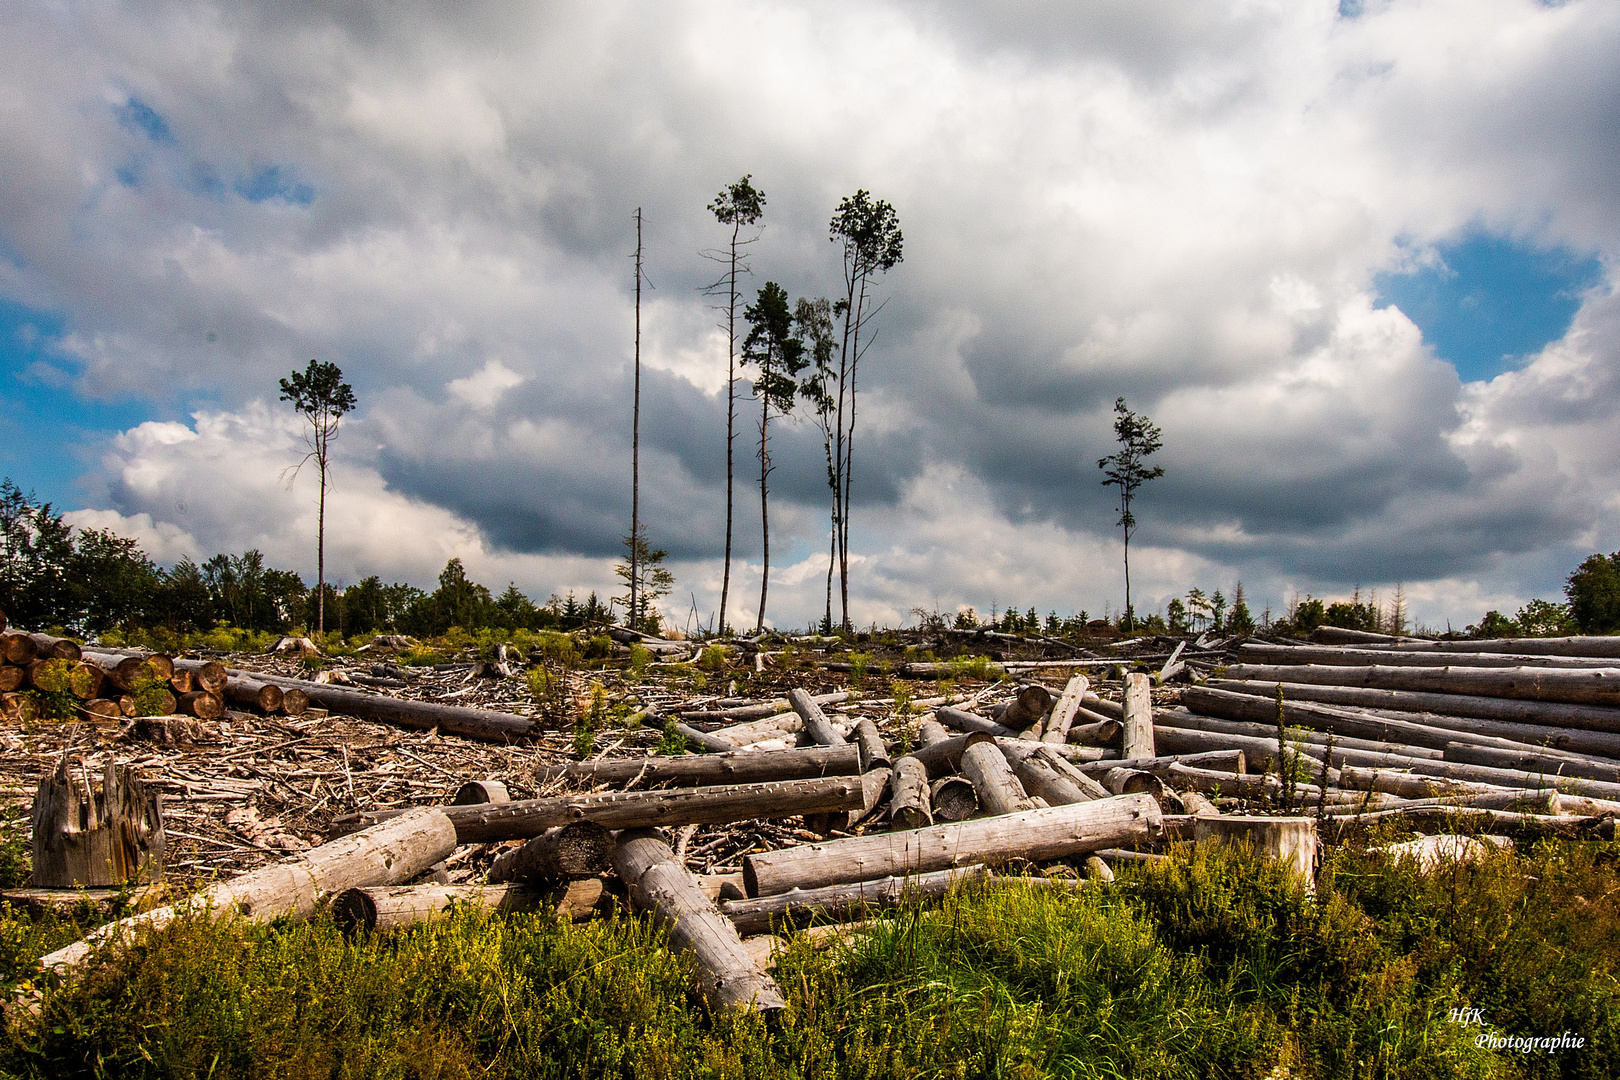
<point x="731" y="767"/>
<point x="1032" y="702"/>
<point x="874" y="786"/>
<point x="1607" y="646"/>
<point x="1527" y="760"/>
<point x="816" y="724"/>
<point x="909" y="806"/>
<point x="203" y="704"/>
<point x="525" y="818"/>
<point x="971" y="722"/>
<point x="11" y="677"/>
<point x="1138" y="717"/>
<point x="93" y="838"/>
<point x="726" y="976"/>
<point x="1587" y="686"/>
<point x="998" y="788"/>
<point x="1207" y="781"/>
<point x="385" y="854"/>
<point x="874" y="755"/>
<point x="1100" y="733"/>
<point x="1410" y="785"/>
<point x="579" y="849"/>
<point x="1289" y="840"/>
<point x="953" y="799"/>
<point x="842" y="903"/>
<point x="1232" y="761"/>
<point x="1586" y="729"/>
<point x="395" y="907"/>
<point x="1034" y="835"/>
<point x="1256" y="653"/>
<point x="60" y="648"/>
<point x="1041" y="779"/>
<point x="58" y="675"/>
<point x="1474" y="820"/>
<point x="210" y="675"/>
<point x="17" y="647"/>
<point x="481" y="792"/>
<point x="1065" y="711"/>
<point x="1186" y="733"/>
<point x="1196" y="804"/>
<point x="266" y="697"/>
<point x="945" y="757"/>
<point x="485" y="724"/>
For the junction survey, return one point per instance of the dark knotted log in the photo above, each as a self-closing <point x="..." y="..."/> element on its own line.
<point x="1033" y="702"/>
<point x="96" y="838"/>
<point x="1138" y="717"/>
<point x="909" y="807"/>
<point x="484" y="724"/>
<point x="17" y="647"/>
<point x="816" y="724"/>
<point x="842" y="903"/>
<point x="1587" y="686"/>
<point x="1033" y="835"/>
<point x="203" y="704"/>
<point x="526" y="818"/>
<point x="1065" y="711"/>
<point x="953" y="799"/>
<point x="480" y="792"/>
<point x="735" y="767"/>
<point x="578" y="850"/>
<point x="60" y="648"/>
<point x="385" y="854"/>
<point x="1527" y="760"/>
<point x="727" y="976"/>
<point x="998" y="788"/>
<point x="1256" y="653"/>
<point x="210" y="675"/>
<point x="1289" y="840"/>
<point x="873" y="754"/>
<point x="1103" y="732"/>
<point x="1583" y="729"/>
<point x="945" y="757"/>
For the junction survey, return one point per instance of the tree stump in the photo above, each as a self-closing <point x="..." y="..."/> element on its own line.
<point x="96" y="839"/>
<point x="1290" y="840"/>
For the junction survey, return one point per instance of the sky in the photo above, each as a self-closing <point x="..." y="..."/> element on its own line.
<point x="1357" y="261"/>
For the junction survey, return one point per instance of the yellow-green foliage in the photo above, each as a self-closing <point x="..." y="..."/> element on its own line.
<point x="559" y="647"/>
<point x="640" y="657"/>
<point x="599" y="647"/>
<point x="150" y="692"/>
<point x="712" y="658"/>
<point x="976" y="667"/>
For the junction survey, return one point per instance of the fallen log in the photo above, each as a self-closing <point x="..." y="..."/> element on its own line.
<point x="17" y="648"/>
<point x="1586" y="686"/>
<point x="1485" y="821"/>
<point x="873" y="754"/>
<point x="1053" y="761"/>
<point x="579" y="849"/>
<point x="203" y="704"/>
<point x="525" y="818"/>
<point x="1606" y="646"/>
<point x="11" y="677"/>
<point x="1256" y="653"/>
<point x="395" y="907"/>
<point x="727" y="976"/>
<point x="59" y="648"/>
<point x="998" y="788"/>
<point x="1188" y="733"/>
<point x="1032" y="702"/>
<point x="1034" y="835"/>
<point x="816" y="724"/>
<point x="909" y="806"/>
<point x="1232" y="761"/>
<point x="953" y="799"/>
<point x="1527" y="760"/>
<point x="945" y="757"/>
<point x="1041" y="779"/>
<point x="1065" y="711"/>
<point x="1543" y="801"/>
<point x="1099" y="733"/>
<point x="266" y="697"/>
<point x="483" y="724"/>
<point x="209" y="675"/>
<point x="1138" y="717"/>
<point x="972" y="722"/>
<point x="844" y="902"/>
<point x="385" y="854"/>
<point x="731" y="767"/>
<point x="1409" y="785"/>
<point x="476" y="792"/>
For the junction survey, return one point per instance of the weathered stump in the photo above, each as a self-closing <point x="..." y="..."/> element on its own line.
<point x="96" y="839"/>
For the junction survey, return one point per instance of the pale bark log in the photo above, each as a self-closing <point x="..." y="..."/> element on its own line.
<point x="999" y="790"/>
<point x="1130" y="781"/>
<point x="1604" y="646"/>
<point x="479" y="792"/>
<point x="1232" y="761"/>
<point x="909" y="807"/>
<point x="726" y="976"/>
<point x="874" y="755"/>
<point x="1040" y="778"/>
<point x="1197" y="805"/>
<point x="1189" y="734"/>
<point x="931" y="731"/>
<point x="1527" y="760"/>
<point x="578" y="850"/>
<point x="1410" y="785"/>
<point x="972" y="722"/>
<point x="953" y="799"/>
<point x="484" y="724"/>
<point x="1289" y="840"/>
<point x="396" y="907"/>
<point x="385" y="854"/>
<point x="844" y="902"/>
<point x="1034" y="835"/>
<point x="83" y="836"/>
<point x="945" y="757"/>
<point x="1256" y="653"/>
<point x="734" y="767"/>
<point x="527" y="818"/>
<point x="1033" y="702"/>
<point x="874" y="786"/>
<point x="1138" y="717"/>
<point x="816" y="724"/>
<point x="1065" y="711"/>
<point x="774" y="727"/>
<point x="1494" y="821"/>
<point x="1545" y="801"/>
<point x="1589" y="686"/>
<point x="1100" y="733"/>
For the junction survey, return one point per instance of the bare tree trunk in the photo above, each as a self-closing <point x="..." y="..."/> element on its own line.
<point x="840" y="903"/>
<point x="96" y="839"/>
<point x="731" y="418"/>
<point x="320" y="554"/>
<point x="764" y="498"/>
<point x="635" y="455"/>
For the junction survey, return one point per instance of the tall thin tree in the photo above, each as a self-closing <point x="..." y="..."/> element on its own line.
<point x="635" y="448"/>
<point x="321" y="395"/>
<point x="1125" y="470"/>
<point x="778" y="353"/>
<point x="739" y="205"/>
<point x="868" y="231"/>
<point x="814" y="319"/>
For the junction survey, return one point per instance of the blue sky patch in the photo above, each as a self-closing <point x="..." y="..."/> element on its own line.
<point x="275" y="182"/>
<point x="139" y="117"/>
<point x="1486" y="302"/>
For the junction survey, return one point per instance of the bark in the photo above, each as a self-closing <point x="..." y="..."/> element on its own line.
<point x="1254" y="653"/>
<point x="577" y="850"/>
<point x="998" y="788"/>
<point x="48" y="647"/>
<point x="1102" y="733"/>
<point x="874" y="755"/>
<point x="1138" y="718"/>
<point x="953" y="799"/>
<point x="385" y="854"/>
<point x="395" y="907"/>
<point x="1039" y="778"/>
<point x="1197" y="805"/>
<point x="733" y="767"/>
<point x="1033" y="835"/>
<point x="483" y="724"/>
<point x="1477" y="821"/>
<point x="1033" y="702"/>
<point x="17" y="647"/>
<point x="1527" y="760"/>
<point x="909" y="806"/>
<point x="1065" y="711"/>
<point x="844" y="902"/>
<point x="479" y="792"/>
<point x="522" y="819"/>
<point x="726" y="976"/>
<point x="971" y="722"/>
<point x="1189" y="734"/>
<point x="816" y="724"/>
<point x="1289" y="840"/>
<point x="1588" y="686"/>
<point x="202" y="704"/>
<point x="96" y="838"/>
<point x="266" y="697"/>
<point x="1604" y="646"/>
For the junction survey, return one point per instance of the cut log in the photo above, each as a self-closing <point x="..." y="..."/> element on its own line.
<point x="842" y="903"/>
<point x="1256" y="653"/>
<point x="11" y="677"/>
<point x="208" y="675"/>
<point x="483" y="724"/>
<point x="1289" y="840"/>
<point x="972" y="722"/>
<point x="778" y="726"/>
<point x="58" y="675"/>
<point x="578" y="850"/>
<point x="726" y="976"/>
<point x="104" y="708"/>
<point x="1040" y="778"/>
<point x="732" y="767"/>
<point x="294" y="702"/>
<point x="953" y="799"/>
<point x="1208" y="782"/>
<point x="931" y="731"/>
<point x="395" y="907"/>
<point x="481" y="792"/>
<point x="1065" y="711"/>
<point x="266" y="697"/>
<point x="1196" y="804"/>
<point x="93" y="838"/>
<point x="122" y="671"/>
<point x="1607" y="646"/>
<point x="1588" y="686"/>
<point x="183" y="682"/>
<point x="1232" y="761"/>
<point x="945" y="757"/>
<point x="17" y="647"/>
<point x="1545" y="801"/>
<point x="1102" y="732"/>
<point x="873" y="754"/>
<point x="1130" y="781"/>
<point x="385" y="854"/>
<point x="1527" y="760"/>
<point x="1138" y="717"/>
<point x="998" y="788"/>
<point x="1032" y="702"/>
<point x="60" y="648"/>
<point x="203" y="704"/>
<point x="1034" y="835"/>
<point x="1478" y="821"/>
<point x="525" y="818"/>
<point x="910" y="807"/>
<point x="1196" y="734"/>
<point x="816" y="724"/>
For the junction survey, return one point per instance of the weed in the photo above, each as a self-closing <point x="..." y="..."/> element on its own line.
<point x="599" y="647"/>
<point x="976" y="667"/>
<point x="640" y="657"/>
<point x="712" y="658"/>
<point x="673" y="741"/>
<point x="857" y="667"/>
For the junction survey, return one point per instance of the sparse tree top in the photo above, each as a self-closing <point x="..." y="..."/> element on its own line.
<point x="319" y="392"/>
<point x="740" y="203"/>
<point x="1125" y="468"/>
<point x="869" y="229"/>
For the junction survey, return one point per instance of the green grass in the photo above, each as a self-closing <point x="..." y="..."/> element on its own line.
<point x="1212" y="966"/>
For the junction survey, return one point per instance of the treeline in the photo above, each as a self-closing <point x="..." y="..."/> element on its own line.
<point x="88" y="581"/>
